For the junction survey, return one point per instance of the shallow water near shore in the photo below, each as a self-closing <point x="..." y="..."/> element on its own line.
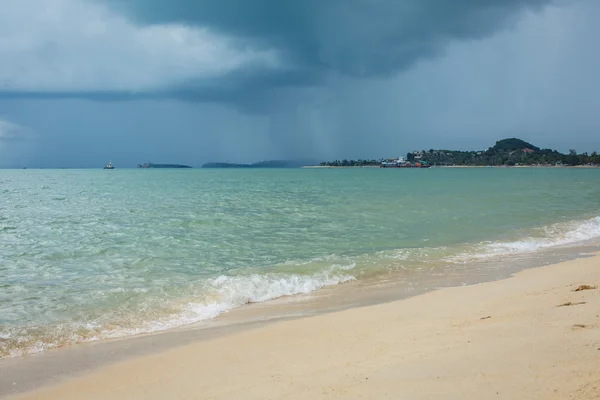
<point x="88" y="255"/>
<point x="24" y="374"/>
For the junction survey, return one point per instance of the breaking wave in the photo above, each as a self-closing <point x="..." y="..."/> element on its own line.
<point x="212" y="297"/>
<point x="555" y="235"/>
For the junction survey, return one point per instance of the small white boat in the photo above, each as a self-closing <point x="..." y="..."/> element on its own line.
<point x="109" y="166"/>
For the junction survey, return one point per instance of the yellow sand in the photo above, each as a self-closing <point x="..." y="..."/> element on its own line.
<point x="499" y="340"/>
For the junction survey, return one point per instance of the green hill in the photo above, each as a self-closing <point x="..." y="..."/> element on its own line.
<point x="511" y="151"/>
<point x="512" y="144"/>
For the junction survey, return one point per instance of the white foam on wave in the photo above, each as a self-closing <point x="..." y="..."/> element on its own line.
<point x="556" y="235"/>
<point x="214" y="297"/>
<point x="224" y="293"/>
<point x="230" y="292"/>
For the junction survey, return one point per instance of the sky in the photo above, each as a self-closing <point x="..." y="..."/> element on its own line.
<point x="83" y="82"/>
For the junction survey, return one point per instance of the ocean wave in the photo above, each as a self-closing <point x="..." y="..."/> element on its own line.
<point x="225" y="293"/>
<point x="212" y="297"/>
<point x="555" y="235"/>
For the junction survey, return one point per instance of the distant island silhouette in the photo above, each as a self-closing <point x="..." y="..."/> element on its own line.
<point x="151" y="165"/>
<point x="506" y="152"/>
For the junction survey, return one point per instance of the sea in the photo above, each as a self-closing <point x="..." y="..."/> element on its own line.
<point x="88" y="255"/>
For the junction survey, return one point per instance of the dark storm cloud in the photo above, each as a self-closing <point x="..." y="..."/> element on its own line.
<point x="260" y="46"/>
<point x="354" y="37"/>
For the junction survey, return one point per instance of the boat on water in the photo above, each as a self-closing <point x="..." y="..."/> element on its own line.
<point x="109" y="166"/>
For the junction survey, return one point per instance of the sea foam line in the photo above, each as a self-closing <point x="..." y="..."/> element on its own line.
<point x="555" y="235"/>
<point x="215" y="296"/>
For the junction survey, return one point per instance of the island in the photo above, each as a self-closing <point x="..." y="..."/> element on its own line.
<point x="506" y="152"/>
<point x="151" y="165"/>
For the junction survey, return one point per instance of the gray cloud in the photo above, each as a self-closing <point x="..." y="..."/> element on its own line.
<point x="203" y="50"/>
<point x="75" y="47"/>
<point x="354" y="37"/>
<point x="318" y="40"/>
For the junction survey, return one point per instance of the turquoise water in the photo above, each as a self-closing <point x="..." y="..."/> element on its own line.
<point x="93" y="254"/>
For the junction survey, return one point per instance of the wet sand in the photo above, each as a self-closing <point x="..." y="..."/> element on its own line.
<point x="531" y="336"/>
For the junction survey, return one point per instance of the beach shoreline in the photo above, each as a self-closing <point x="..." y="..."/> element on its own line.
<point x="415" y="347"/>
<point x="168" y="252"/>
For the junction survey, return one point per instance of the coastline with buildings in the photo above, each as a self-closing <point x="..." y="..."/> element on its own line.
<point x="510" y="152"/>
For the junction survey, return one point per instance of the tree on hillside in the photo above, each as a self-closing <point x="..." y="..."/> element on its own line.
<point x="513" y="144"/>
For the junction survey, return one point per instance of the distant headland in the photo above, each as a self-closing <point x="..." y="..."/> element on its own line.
<point x="150" y="165"/>
<point x="506" y="152"/>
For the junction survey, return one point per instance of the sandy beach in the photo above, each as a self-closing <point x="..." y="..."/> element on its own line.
<point x="532" y="336"/>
